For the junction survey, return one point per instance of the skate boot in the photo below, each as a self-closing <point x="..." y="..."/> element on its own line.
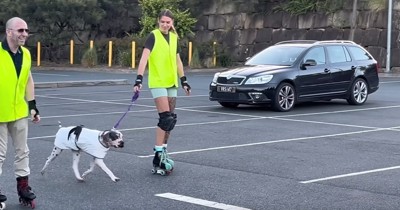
<point x="26" y="196"/>
<point x="3" y="198"/>
<point x="160" y="164"/>
<point x="169" y="160"/>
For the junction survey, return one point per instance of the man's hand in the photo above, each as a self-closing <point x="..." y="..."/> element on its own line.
<point x="138" y="83"/>
<point x="35" y="117"/>
<point x="185" y="85"/>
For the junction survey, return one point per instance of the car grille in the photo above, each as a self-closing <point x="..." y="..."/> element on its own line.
<point x="231" y="80"/>
<point x="229" y="96"/>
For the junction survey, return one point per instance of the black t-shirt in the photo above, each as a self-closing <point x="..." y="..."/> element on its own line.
<point x="149" y="44"/>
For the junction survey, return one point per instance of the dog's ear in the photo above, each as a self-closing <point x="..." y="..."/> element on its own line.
<point x="113" y="135"/>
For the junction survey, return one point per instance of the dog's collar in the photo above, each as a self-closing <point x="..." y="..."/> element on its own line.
<point x="101" y="140"/>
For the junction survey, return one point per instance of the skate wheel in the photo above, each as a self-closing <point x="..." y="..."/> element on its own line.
<point x="2" y="206"/>
<point x="27" y="203"/>
<point x="162" y="173"/>
<point x="153" y="171"/>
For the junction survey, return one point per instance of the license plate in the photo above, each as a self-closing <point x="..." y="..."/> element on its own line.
<point x="226" y="89"/>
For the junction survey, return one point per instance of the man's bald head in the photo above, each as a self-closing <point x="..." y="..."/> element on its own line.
<point x="13" y="21"/>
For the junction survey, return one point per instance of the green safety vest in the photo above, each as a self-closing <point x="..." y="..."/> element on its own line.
<point x="162" y="61"/>
<point x="13" y="105"/>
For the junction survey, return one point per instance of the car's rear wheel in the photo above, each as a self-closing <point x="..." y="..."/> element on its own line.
<point x="285" y="98"/>
<point x="229" y="104"/>
<point x="358" y="92"/>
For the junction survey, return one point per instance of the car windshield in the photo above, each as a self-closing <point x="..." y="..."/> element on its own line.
<point x="278" y="55"/>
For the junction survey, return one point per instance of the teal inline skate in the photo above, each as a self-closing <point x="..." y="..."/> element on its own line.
<point x="162" y="164"/>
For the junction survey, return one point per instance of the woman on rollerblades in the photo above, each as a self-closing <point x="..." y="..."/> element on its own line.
<point x="165" y="66"/>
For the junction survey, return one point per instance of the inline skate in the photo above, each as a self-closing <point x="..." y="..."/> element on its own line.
<point x="3" y="198"/>
<point x="162" y="164"/>
<point x="26" y="196"/>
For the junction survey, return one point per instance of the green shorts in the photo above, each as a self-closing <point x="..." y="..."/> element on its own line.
<point x="159" y="92"/>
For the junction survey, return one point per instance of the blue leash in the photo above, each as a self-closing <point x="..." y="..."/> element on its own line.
<point x="134" y="98"/>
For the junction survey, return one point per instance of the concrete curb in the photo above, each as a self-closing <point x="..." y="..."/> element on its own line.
<point x="81" y="83"/>
<point x="115" y="70"/>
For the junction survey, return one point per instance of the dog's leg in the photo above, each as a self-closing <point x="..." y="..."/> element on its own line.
<point x="56" y="151"/>
<point x="103" y="166"/>
<point x="75" y="162"/>
<point x="92" y="164"/>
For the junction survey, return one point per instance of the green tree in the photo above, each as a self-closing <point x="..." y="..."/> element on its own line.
<point x="56" y="22"/>
<point x="150" y="9"/>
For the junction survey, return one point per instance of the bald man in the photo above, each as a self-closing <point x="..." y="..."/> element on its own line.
<point x="17" y="93"/>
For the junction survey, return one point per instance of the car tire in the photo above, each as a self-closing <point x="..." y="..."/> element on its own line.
<point x="229" y="104"/>
<point x="358" y="93"/>
<point x="284" y="98"/>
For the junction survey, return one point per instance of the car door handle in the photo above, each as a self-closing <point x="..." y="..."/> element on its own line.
<point x="327" y="70"/>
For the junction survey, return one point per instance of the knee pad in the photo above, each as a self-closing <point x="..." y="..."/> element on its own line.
<point x="167" y="121"/>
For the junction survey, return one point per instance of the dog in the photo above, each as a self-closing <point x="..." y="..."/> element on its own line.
<point x="93" y="142"/>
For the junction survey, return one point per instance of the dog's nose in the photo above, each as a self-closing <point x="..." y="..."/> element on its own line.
<point x="121" y="144"/>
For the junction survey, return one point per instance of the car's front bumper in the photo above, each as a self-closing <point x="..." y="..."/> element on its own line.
<point x="255" y="94"/>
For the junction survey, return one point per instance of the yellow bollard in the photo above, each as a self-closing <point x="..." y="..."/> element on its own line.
<point x="133" y="55"/>
<point x="71" y="52"/>
<point x="190" y="53"/>
<point x="215" y="54"/>
<point x="38" y="54"/>
<point x="91" y="44"/>
<point x="109" y="53"/>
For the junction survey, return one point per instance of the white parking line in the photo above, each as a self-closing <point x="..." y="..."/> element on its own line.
<point x="350" y="174"/>
<point x="272" y="142"/>
<point x="200" y="202"/>
<point x="61" y="75"/>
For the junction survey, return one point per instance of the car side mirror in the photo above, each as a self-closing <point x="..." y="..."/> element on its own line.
<point x="309" y="62"/>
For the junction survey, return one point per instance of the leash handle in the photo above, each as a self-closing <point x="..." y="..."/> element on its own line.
<point x="134" y="98"/>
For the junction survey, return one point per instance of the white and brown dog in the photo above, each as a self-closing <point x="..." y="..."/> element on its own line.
<point x="93" y="142"/>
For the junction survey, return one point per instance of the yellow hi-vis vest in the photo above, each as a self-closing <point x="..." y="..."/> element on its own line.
<point x="13" y="104"/>
<point x="162" y="61"/>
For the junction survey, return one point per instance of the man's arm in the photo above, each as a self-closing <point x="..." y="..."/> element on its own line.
<point x="30" y="89"/>
<point x="30" y="97"/>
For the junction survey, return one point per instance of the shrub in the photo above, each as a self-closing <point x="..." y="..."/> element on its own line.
<point x="89" y="58"/>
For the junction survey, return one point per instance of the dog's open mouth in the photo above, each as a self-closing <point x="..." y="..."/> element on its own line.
<point x="120" y="145"/>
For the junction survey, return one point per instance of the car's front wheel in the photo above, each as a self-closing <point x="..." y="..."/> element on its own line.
<point x="229" y="104"/>
<point x="358" y="92"/>
<point x="285" y="98"/>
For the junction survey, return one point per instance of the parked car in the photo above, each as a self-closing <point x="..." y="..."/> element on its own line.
<point x="290" y="72"/>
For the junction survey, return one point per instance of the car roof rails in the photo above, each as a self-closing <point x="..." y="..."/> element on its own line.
<point x="297" y="42"/>
<point x="336" y="41"/>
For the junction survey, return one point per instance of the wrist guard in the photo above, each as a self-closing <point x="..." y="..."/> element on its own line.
<point x="32" y="106"/>
<point x="184" y="83"/>
<point x="139" y="80"/>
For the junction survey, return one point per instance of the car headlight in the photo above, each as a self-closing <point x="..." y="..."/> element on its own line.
<point x="259" y="80"/>
<point x="216" y="77"/>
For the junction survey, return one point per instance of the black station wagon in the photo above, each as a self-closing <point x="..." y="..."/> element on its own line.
<point x="290" y="72"/>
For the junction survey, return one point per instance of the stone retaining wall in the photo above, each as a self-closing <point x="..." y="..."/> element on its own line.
<point x="244" y="27"/>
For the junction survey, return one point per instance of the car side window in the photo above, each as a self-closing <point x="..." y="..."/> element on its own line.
<point x="317" y="54"/>
<point x="359" y="54"/>
<point x="338" y="54"/>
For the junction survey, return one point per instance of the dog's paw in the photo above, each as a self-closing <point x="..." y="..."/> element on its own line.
<point x="115" y="179"/>
<point x="42" y="172"/>
<point x="80" y="179"/>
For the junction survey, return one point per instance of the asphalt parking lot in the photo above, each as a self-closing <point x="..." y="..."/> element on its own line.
<point x="322" y="155"/>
